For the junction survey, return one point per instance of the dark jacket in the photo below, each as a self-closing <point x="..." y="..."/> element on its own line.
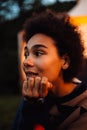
<point x="66" y="113"/>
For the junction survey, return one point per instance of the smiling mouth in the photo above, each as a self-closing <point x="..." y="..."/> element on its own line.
<point x="31" y="74"/>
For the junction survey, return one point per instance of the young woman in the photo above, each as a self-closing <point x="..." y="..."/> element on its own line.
<point x="53" y="99"/>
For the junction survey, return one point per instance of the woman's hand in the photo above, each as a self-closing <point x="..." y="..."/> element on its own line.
<point x="36" y="87"/>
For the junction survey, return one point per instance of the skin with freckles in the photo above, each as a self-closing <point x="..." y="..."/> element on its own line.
<point x="43" y="67"/>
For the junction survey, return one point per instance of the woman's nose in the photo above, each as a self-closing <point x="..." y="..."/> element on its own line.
<point x="28" y="62"/>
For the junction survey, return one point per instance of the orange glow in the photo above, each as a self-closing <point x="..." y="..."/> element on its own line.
<point x="79" y="20"/>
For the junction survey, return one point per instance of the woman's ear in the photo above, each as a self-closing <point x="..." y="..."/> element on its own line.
<point x="66" y="62"/>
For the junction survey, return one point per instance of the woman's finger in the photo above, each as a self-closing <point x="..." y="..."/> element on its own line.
<point x="36" y="87"/>
<point x="30" y="86"/>
<point x="24" y="88"/>
<point x="44" y="87"/>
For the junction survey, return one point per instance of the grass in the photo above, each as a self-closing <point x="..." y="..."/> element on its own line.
<point x="8" y="108"/>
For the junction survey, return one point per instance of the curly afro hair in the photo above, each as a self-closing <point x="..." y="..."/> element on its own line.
<point x="66" y="36"/>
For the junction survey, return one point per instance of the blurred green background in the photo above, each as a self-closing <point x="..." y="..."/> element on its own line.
<point x="12" y="15"/>
<point x="8" y="108"/>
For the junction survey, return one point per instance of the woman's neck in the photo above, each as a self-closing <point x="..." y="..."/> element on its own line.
<point x="63" y="89"/>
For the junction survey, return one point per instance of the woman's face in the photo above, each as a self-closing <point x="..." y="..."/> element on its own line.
<point x="42" y="58"/>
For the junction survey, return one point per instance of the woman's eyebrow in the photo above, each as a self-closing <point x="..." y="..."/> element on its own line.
<point x="35" y="47"/>
<point x="38" y="46"/>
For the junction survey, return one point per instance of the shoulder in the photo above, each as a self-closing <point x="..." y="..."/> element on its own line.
<point x="80" y="123"/>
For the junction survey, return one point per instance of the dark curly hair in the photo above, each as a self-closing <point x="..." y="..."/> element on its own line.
<point x="64" y="33"/>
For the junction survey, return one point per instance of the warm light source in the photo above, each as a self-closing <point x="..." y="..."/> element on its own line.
<point x="81" y="22"/>
<point x="79" y="17"/>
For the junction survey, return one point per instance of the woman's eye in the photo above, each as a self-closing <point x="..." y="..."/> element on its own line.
<point x="26" y="54"/>
<point x="38" y="53"/>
